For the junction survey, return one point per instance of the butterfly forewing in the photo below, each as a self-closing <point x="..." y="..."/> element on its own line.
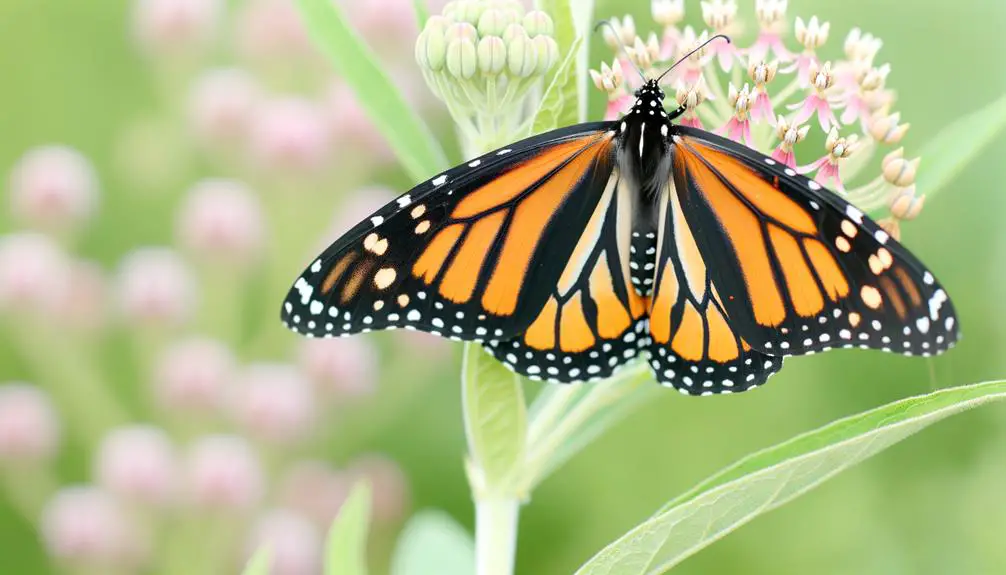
<point x="461" y="254"/>
<point x="799" y="269"/>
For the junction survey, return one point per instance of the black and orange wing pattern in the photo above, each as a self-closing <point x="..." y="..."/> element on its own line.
<point x="694" y="347"/>
<point x="593" y="321"/>
<point x="797" y="268"/>
<point x="468" y="254"/>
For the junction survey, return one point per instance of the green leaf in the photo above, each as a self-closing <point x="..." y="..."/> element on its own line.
<point x="432" y="542"/>
<point x="407" y="135"/>
<point x="346" y="552"/>
<point x="957" y="144"/>
<point x="495" y="415"/>
<point x="770" y="478"/>
<point x="259" y="563"/>
<point x="583" y="20"/>
<point x="422" y="13"/>
<point x="559" y="104"/>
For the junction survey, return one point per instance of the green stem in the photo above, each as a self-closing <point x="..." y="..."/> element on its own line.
<point x="495" y="534"/>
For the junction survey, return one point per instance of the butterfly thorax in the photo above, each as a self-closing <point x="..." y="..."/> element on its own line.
<point x="644" y="142"/>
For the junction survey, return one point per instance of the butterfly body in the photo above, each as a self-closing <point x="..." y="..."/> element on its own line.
<point x="571" y="254"/>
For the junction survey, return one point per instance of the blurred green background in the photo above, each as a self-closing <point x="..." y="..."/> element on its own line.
<point x="70" y="73"/>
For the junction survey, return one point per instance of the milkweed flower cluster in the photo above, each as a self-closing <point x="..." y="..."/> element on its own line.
<point x="482" y="58"/>
<point x="783" y="94"/>
<point x="194" y="413"/>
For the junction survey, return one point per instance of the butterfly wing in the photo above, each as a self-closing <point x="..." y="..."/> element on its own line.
<point x="798" y="268"/>
<point x="469" y="253"/>
<point x="593" y="321"/>
<point x="693" y="346"/>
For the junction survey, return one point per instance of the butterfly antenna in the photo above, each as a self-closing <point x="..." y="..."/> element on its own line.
<point x="689" y="55"/>
<point x="618" y="39"/>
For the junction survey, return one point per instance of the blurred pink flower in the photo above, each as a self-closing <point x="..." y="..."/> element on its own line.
<point x="341" y="368"/>
<point x="34" y="273"/>
<point x="173" y="26"/>
<point x="388" y="484"/>
<point x="314" y="489"/>
<point x="221" y="105"/>
<point x="53" y="187"/>
<point x="155" y="286"/>
<point x="289" y="134"/>
<point x="86" y="305"/>
<point x="86" y="527"/>
<point x="29" y="428"/>
<point x="192" y="375"/>
<point x="222" y="221"/>
<point x="351" y="128"/>
<point x="223" y="472"/>
<point x="294" y="543"/>
<point x="273" y="402"/>
<point x="272" y="30"/>
<point x="138" y="464"/>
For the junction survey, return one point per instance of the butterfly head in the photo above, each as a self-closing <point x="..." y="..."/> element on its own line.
<point x="650" y="90"/>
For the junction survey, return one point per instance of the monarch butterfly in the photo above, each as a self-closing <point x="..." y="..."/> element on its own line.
<point x="569" y="254"/>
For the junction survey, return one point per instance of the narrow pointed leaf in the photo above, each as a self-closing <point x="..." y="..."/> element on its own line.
<point x="405" y="132"/>
<point x="950" y="151"/>
<point x="495" y="416"/>
<point x="432" y="542"/>
<point x="583" y="20"/>
<point x="770" y="478"/>
<point x="346" y="550"/>
<point x="559" y="104"/>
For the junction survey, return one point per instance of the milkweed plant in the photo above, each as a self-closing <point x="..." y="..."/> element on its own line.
<point x="229" y="453"/>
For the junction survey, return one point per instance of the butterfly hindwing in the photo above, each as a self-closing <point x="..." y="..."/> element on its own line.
<point x="592" y="322"/>
<point x="798" y="268"/>
<point x="462" y="254"/>
<point x="694" y="346"/>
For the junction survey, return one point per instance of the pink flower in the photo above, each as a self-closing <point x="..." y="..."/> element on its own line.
<point x="771" y="15"/>
<point x="690" y="96"/>
<point x="222" y="221"/>
<point x="84" y="307"/>
<point x="290" y="135"/>
<point x="173" y="26"/>
<point x="316" y="490"/>
<point x="789" y="136"/>
<point x="222" y="103"/>
<point x="29" y="428"/>
<point x="827" y="168"/>
<point x="294" y="543"/>
<point x="138" y="464"/>
<point x="53" y="187"/>
<point x="343" y="368"/>
<point x="223" y="472"/>
<point x="274" y="402"/>
<point x="34" y="273"/>
<point x="272" y="31"/>
<point x="85" y="527"/>
<point x="347" y="121"/>
<point x="818" y="102"/>
<point x="155" y="287"/>
<point x="720" y="16"/>
<point x="668" y="13"/>
<point x="738" y="127"/>
<point x="191" y="375"/>
<point x="811" y="36"/>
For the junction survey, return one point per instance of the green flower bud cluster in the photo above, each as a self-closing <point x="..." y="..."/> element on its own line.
<point x="483" y="58"/>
